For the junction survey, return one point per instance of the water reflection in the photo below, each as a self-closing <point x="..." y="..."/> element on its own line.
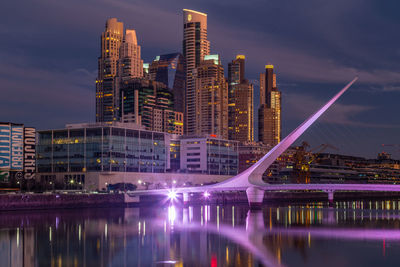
<point x="361" y="232"/>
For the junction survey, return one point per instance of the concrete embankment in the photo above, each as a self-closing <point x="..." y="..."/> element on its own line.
<point x="81" y="200"/>
<point x="322" y="196"/>
<point x="270" y="197"/>
<point x="59" y="201"/>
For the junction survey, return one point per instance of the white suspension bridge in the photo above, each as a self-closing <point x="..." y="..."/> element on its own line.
<point x="251" y="181"/>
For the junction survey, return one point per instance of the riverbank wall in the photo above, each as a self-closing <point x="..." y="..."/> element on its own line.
<point x="82" y="200"/>
<point x="240" y="197"/>
<point x="59" y="201"/>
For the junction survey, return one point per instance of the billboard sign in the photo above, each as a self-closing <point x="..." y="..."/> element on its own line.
<point x="17" y="147"/>
<point x="29" y="152"/>
<point x="5" y="148"/>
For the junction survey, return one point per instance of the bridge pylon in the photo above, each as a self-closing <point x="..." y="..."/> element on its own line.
<point x="331" y="194"/>
<point x="255" y="197"/>
<point x="185" y="197"/>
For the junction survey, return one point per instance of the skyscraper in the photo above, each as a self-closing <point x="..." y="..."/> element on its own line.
<point x="236" y="70"/>
<point x="195" y="47"/>
<point x="211" y="98"/>
<point x="170" y="70"/>
<point x="111" y="40"/>
<point x="147" y="103"/>
<point x="269" y="113"/>
<point x="241" y="106"/>
<point x="130" y="65"/>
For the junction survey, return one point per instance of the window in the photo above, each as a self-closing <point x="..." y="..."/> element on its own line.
<point x="192" y="166"/>
<point x="193" y="142"/>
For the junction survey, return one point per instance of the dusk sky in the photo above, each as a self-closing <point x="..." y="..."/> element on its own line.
<point x="49" y="50"/>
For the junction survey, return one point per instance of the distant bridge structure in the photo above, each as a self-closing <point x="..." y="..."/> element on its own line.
<point x="251" y="181"/>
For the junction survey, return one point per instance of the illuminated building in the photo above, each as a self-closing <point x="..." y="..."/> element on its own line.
<point x="130" y="65"/>
<point x="211" y="98"/>
<point x="148" y="103"/>
<point x="195" y="47"/>
<point x="209" y="155"/>
<point x="75" y="152"/>
<point x="175" y="155"/>
<point x="111" y="40"/>
<point x="170" y="70"/>
<point x="269" y="113"/>
<point x="93" y="155"/>
<point x="250" y="153"/>
<point x="178" y="123"/>
<point x="241" y="108"/>
<point x="236" y="70"/>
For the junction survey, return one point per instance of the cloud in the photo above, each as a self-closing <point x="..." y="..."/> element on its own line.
<point x="44" y="98"/>
<point x="300" y="106"/>
<point x="294" y="63"/>
<point x="391" y="88"/>
<point x="322" y="43"/>
<point x="376" y="88"/>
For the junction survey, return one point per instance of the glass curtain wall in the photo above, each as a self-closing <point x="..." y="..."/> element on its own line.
<point x="101" y="149"/>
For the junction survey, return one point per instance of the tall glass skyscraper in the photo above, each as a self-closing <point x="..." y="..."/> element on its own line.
<point x="195" y="47"/>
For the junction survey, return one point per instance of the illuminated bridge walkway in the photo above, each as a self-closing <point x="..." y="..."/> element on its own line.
<point x="251" y="181"/>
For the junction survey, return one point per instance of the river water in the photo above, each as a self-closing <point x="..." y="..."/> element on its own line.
<point x="349" y="233"/>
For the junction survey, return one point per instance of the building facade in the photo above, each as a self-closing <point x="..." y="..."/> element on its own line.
<point x="211" y="98"/>
<point x="169" y="69"/>
<point x="269" y="113"/>
<point x="100" y="147"/>
<point x="209" y="155"/>
<point x="250" y="153"/>
<point x="111" y="40"/>
<point x="195" y="47"/>
<point x="240" y="106"/>
<point x="178" y="123"/>
<point x="148" y="103"/>
<point x="130" y="63"/>
<point x="90" y="156"/>
<point x="129" y="66"/>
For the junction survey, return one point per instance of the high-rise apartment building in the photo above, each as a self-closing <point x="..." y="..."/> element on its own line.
<point x="130" y="65"/>
<point x="148" y="103"/>
<point x="269" y="113"/>
<point x="240" y="97"/>
<point x="170" y="70"/>
<point x="236" y="70"/>
<point x="111" y="40"/>
<point x="195" y="47"/>
<point x="211" y="98"/>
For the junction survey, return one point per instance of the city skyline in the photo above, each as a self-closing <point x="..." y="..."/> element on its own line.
<point x="364" y="110"/>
